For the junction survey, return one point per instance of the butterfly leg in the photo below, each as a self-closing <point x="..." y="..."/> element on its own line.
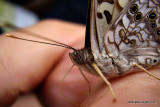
<point x="105" y="80"/>
<point x="89" y="86"/>
<point x="143" y="69"/>
<point x="62" y="90"/>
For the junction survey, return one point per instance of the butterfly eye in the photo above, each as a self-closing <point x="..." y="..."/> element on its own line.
<point x="158" y="32"/>
<point x="153" y="25"/>
<point x="152" y="16"/>
<point x="138" y="16"/>
<point x="134" y="8"/>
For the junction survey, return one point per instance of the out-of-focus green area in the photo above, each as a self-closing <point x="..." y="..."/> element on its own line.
<point x="16" y="15"/>
<point x="7" y="13"/>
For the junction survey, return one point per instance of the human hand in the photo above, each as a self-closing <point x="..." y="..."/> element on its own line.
<point x="25" y="66"/>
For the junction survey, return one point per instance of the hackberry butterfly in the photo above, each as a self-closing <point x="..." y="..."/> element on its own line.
<point x="131" y="41"/>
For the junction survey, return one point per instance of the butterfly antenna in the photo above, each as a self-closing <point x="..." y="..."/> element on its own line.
<point x="62" y="90"/>
<point x="65" y="46"/>
<point x="24" y="31"/>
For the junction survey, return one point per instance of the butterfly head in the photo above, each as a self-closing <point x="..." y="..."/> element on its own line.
<point x="81" y="57"/>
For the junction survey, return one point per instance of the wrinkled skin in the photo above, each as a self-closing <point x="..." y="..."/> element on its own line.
<point x="26" y="66"/>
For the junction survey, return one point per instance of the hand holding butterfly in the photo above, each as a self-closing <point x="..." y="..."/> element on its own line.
<point x="25" y="66"/>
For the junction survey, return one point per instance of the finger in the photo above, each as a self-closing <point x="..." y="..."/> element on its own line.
<point x="138" y="87"/>
<point x="23" y="65"/>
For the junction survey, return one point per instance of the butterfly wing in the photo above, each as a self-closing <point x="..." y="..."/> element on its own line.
<point x="135" y="34"/>
<point x="101" y="14"/>
<point x="105" y="12"/>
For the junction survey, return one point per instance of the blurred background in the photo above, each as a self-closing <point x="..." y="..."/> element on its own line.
<point x="24" y="13"/>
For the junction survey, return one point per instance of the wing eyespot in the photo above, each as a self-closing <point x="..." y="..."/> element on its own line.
<point x="155" y="61"/>
<point x="152" y="16"/>
<point x="158" y="32"/>
<point x="153" y="25"/>
<point x="134" y="8"/>
<point x="138" y="16"/>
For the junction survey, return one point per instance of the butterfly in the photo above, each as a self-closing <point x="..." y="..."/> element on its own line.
<point x="130" y="42"/>
<point x="115" y="45"/>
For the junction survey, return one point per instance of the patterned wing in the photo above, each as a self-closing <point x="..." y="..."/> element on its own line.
<point x="106" y="11"/>
<point x="101" y="14"/>
<point x="135" y="34"/>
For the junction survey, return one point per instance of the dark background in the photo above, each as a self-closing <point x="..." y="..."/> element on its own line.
<point x="69" y="10"/>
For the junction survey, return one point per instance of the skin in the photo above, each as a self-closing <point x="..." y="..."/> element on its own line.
<point x="27" y="66"/>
